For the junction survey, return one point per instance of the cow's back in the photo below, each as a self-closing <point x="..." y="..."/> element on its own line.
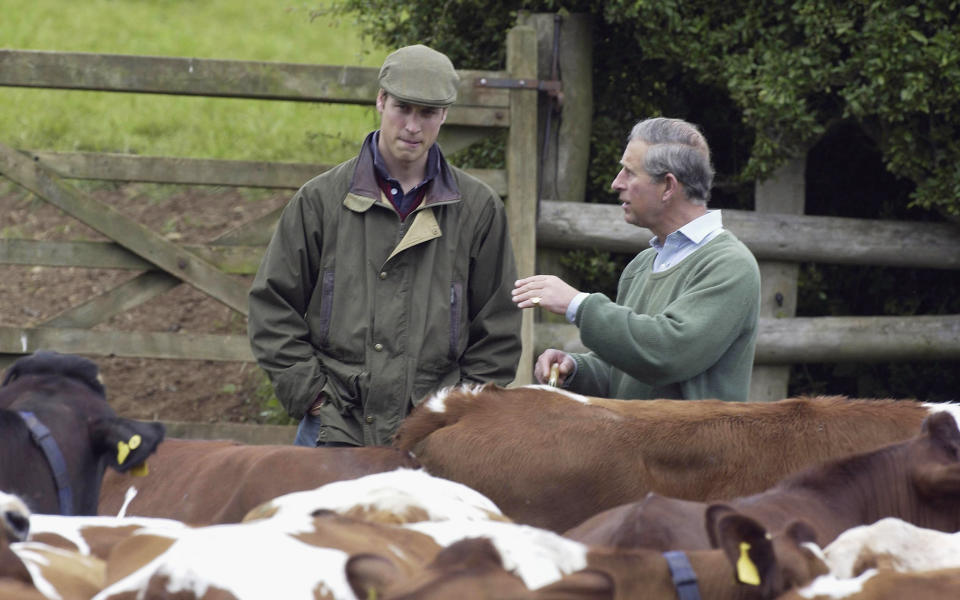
<point x="552" y="459"/>
<point x="219" y="481"/>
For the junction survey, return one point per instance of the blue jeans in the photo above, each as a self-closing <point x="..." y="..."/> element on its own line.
<point x="307" y="432"/>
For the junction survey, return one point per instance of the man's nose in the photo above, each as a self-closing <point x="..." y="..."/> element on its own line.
<point x="413" y="123"/>
<point x="615" y="184"/>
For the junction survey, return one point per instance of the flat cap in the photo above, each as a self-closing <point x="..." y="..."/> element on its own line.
<point x="419" y="75"/>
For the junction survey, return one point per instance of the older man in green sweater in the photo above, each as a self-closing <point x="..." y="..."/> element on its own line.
<point x="684" y="324"/>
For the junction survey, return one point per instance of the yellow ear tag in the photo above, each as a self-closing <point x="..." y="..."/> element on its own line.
<point x="123" y="451"/>
<point x="140" y="470"/>
<point x="746" y="570"/>
<point x="135" y="441"/>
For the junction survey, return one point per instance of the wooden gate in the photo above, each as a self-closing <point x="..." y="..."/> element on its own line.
<point x="213" y="267"/>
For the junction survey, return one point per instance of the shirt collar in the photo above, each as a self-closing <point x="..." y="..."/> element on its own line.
<point x="696" y="230"/>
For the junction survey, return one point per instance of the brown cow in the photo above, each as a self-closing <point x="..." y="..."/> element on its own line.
<point x="917" y="480"/>
<point x="478" y="568"/>
<point x="203" y="482"/>
<point x="550" y="458"/>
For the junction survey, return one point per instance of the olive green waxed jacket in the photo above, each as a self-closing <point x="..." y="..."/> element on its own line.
<point x="378" y="313"/>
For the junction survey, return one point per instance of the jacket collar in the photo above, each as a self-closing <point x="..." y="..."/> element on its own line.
<point x="364" y="191"/>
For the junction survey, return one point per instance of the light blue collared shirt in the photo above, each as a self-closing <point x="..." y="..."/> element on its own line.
<point x="684" y="241"/>
<point x="678" y="245"/>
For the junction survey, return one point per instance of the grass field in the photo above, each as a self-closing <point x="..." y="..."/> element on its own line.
<point x="146" y="124"/>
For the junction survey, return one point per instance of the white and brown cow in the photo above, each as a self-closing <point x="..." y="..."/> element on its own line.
<point x="204" y="482"/>
<point x="391" y="497"/>
<point x="550" y="458"/>
<point x="267" y="558"/>
<point x="874" y="584"/>
<point x="892" y="543"/>
<point x="917" y="480"/>
<point x="494" y="560"/>
<point x="58" y="434"/>
<point x="30" y="568"/>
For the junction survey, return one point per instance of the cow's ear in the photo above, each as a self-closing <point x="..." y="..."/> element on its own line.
<point x="801" y="533"/>
<point x="712" y="516"/>
<point x="939" y="477"/>
<point x="936" y="480"/>
<point x="125" y="443"/>
<point x="748" y="548"/>
<point x="942" y="427"/>
<point x="370" y="574"/>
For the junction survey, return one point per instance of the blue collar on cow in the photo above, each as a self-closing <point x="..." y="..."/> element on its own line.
<point x="42" y="437"/>
<point x="684" y="579"/>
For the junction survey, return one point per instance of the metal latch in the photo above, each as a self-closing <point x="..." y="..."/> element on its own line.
<point x="528" y="84"/>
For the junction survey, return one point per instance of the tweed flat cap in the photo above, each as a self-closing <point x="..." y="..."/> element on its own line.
<point x="419" y="75"/>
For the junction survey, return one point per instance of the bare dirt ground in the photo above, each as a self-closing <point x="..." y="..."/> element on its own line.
<point x="169" y="390"/>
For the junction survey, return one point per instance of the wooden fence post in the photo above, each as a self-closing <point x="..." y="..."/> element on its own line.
<point x="564" y="52"/>
<point x="522" y="175"/>
<point x="566" y="151"/>
<point x="783" y="192"/>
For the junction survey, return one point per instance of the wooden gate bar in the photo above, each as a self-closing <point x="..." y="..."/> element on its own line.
<point x="152" y="247"/>
<point x="130" y="344"/>
<point x="476" y="106"/>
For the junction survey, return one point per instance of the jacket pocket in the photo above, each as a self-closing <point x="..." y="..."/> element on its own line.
<point x="456" y="308"/>
<point x="326" y="306"/>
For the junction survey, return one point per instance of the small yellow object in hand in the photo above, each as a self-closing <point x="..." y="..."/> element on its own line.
<point x="554" y="375"/>
<point x="746" y="570"/>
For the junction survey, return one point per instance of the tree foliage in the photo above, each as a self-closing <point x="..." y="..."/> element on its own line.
<point x="782" y="71"/>
<point x="868" y="90"/>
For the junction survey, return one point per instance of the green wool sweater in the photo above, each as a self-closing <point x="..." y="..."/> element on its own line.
<point x="686" y="332"/>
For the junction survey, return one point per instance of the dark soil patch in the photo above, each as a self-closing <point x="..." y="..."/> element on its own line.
<point x="170" y="390"/>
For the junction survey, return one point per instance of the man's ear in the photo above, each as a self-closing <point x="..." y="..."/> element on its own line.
<point x="381" y="100"/>
<point x="670" y="187"/>
<point x="443" y="116"/>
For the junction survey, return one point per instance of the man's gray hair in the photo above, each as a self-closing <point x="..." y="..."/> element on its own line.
<point x="678" y="147"/>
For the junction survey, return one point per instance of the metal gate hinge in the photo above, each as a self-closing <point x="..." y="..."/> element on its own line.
<point x="552" y="85"/>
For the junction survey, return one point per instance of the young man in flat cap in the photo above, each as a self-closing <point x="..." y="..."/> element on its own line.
<point x="389" y="276"/>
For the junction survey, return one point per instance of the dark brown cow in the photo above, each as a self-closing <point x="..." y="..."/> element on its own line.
<point x="203" y="482"/>
<point x="58" y="434"/>
<point x="917" y="480"/>
<point x="550" y="458"/>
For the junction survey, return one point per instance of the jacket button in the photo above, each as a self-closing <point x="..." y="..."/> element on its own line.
<point x="378" y="347"/>
<point x="369" y="418"/>
<point x="383" y="274"/>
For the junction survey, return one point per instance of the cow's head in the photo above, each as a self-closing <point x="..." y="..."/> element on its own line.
<point x="75" y="433"/>
<point x="935" y="459"/>
<point x="770" y="564"/>
<point x="14" y="518"/>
